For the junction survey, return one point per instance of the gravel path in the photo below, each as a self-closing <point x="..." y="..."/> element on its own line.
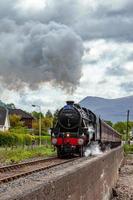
<point x="124" y="187"/>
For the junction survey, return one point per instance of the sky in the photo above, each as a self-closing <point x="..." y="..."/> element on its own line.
<point x="52" y="51"/>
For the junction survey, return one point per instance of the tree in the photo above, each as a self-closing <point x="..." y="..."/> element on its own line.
<point x="109" y="123"/>
<point x="55" y="117"/>
<point x="48" y="114"/>
<point x="36" y="115"/>
<point x="120" y="127"/>
<point x="15" y="121"/>
<point x="46" y="124"/>
<point x="10" y="105"/>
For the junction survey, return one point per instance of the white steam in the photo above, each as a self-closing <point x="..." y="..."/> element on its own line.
<point x="93" y="150"/>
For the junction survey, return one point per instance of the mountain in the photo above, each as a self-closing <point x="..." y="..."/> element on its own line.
<point x="110" y="109"/>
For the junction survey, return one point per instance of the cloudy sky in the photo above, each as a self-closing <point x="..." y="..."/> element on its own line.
<point x="52" y="51"/>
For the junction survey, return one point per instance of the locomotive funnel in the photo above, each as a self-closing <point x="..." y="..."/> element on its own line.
<point x="70" y="102"/>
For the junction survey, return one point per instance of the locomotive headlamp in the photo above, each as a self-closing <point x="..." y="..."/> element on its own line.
<point x="68" y="135"/>
<point x="54" y="141"/>
<point x="80" y="141"/>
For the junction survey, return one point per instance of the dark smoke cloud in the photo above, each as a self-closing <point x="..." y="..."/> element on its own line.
<point x="39" y="53"/>
<point x="33" y="52"/>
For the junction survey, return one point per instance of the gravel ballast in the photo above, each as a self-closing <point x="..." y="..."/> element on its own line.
<point x="124" y="186"/>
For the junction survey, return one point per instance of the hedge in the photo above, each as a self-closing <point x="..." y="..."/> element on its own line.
<point x="44" y="139"/>
<point x="8" y="139"/>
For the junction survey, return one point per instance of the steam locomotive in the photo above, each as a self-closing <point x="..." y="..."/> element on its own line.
<point x="77" y="128"/>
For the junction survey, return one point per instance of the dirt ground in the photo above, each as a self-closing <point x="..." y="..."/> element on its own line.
<point x="124" y="187"/>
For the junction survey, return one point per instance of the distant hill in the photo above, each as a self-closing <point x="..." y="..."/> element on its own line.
<point x="109" y="109"/>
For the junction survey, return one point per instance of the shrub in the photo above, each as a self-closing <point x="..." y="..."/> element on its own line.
<point x="10" y="139"/>
<point x="19" y="130"/>
<point x="44" y="139"/>
<point x="128" y="148"/>
<point x="28" y="139"/>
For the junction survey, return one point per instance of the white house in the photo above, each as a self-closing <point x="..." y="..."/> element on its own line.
<point x="4" y="119"/>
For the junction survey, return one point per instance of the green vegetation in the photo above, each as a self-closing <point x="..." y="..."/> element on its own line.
<point x="109" y="123"/>
<point x="128" y="148"/>
<point x="20" y="143"/>
<point x="12" y="139"/>
<point x="15" y="121"/>
<point x="121" y="127"/>
<point x="18" y="154"/>
<point x="15" y="147"/>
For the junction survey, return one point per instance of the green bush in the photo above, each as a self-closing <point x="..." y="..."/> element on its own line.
<point x="44" y="139"/>
<point x="19" y="130"/>
<point x="36" y="132"/>
<point x="128" y="148"/>
<point x="28" y="139"/>
<point x="7" y="139"/>
<point x="10" y="139"/>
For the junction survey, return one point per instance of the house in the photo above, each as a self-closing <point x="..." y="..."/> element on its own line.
<point x="4" y="119"/>
<point x="26" y="118"/>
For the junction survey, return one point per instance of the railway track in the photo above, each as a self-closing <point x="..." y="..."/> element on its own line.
<point x="11" y="172"/>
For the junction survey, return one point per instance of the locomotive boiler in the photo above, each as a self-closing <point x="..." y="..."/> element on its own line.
<point x="78" y="127"/>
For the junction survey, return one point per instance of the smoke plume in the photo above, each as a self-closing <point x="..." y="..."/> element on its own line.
<point x="34" y="49"/>
<point x="35" y="53"/>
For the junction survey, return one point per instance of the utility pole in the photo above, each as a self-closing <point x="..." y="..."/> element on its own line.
<point x="128" y="140"/>
<point x="40" y="124"/>
<point x="40" y="127"/>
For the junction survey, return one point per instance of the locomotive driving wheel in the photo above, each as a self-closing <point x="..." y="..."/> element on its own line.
<point x="81" y="151"/>
<point x="59" y="153"/>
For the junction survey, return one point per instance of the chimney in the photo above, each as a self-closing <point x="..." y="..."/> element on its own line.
<point x="70" y="103"/>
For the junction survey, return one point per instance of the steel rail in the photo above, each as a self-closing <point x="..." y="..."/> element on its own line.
<point x="14" y="166"/>
<point x="12" y="172"/>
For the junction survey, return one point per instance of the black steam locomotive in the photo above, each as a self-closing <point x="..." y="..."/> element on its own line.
<point x="78" y="127"/>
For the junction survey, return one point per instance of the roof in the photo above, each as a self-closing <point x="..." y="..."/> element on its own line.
<point x="2" y="115"/>
<point x="21" y="113"/>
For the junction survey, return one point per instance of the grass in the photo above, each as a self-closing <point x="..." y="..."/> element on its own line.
<point x="16" y="155"/>
<point x="128" y="148"/>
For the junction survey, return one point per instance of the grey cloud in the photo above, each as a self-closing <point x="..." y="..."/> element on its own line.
<point x="130" y="57"/>
<point x="105" y="21"/>
<point x="127" y="86"/>
<point x="115" y="71"/>
<point x="118" y="29"/>
<point x="104" y="81"/>
<point x="7" y="8"/>
<point x="25" y="100"/>
<point x="124" y="11"/>
<point x="64" y="12"/>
